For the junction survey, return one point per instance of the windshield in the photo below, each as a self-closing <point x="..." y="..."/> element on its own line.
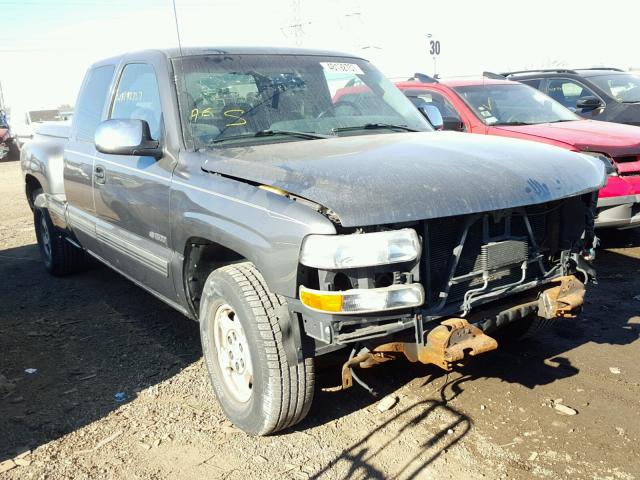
<point x="513" y="104"/>
<point x="227" y="99"/>
<point x="624" y="88"/>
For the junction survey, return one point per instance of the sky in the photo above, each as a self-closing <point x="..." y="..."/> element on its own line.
<point x="46" y="45"/>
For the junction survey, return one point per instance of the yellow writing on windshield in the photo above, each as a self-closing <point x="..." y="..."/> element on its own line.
<point x="197" y="113"/>
<point x="235" y="113"/>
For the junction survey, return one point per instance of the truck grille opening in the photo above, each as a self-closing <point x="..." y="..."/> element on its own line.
<point x="495" y="247"/>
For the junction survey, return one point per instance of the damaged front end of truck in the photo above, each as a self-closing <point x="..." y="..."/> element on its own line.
<point x="449" y="283"/>
<point x="434" y="256"/>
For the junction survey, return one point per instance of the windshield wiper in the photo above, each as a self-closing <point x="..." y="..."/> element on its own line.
<point x="374" y="126"/>
<point x="292" y="133"/>
<point x="271" y="133"/>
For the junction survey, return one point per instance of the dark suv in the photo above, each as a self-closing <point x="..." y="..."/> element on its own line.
<point x="607" y="94"/>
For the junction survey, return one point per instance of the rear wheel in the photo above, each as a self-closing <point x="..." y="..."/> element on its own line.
<point x="14" y="151"/>
<point x="261" y="386"/>
<point x="58" y="255"/>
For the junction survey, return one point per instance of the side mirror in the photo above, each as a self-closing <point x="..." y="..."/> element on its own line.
<point x="452" y="123"/>
<point x="126" y="137"/>
<point x="433" y="115"/>
<point x="589" y="103"/>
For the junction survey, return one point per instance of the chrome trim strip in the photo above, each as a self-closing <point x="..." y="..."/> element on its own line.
<point x="145" y="257"/>
<point x="77" y="220"/>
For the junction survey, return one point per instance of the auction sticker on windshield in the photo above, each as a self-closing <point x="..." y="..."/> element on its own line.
<point x="342" y="67"/>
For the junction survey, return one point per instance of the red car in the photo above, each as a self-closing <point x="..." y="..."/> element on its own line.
<point x="511" y="109"/>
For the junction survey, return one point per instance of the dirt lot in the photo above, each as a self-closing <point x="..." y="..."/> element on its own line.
<point x="93" y="335"/>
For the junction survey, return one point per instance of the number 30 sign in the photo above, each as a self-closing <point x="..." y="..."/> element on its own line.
<point x="434" y="47"/>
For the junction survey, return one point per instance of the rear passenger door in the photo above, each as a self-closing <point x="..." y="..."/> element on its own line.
<point x="80" y="154"/>
<point x="132" y="192"/>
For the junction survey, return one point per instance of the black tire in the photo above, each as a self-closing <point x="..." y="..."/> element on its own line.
<point x="280" y="389"/>
<point x="525" y="328"/>
<point x="58" y="255"/>
<point x="14" y="152"/>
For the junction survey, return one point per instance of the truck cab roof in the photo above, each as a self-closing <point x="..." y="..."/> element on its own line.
<point x="172" y="53"/>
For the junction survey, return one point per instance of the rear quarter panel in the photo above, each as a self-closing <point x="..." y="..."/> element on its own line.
<point x="42" y="158"/>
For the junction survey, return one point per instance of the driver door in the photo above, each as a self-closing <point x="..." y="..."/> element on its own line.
<point x="132" y="192"/>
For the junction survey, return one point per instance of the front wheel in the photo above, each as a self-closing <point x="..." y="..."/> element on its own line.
<point x="261" y="375"/>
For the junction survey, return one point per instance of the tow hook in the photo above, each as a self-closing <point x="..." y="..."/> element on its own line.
<point x="455" y="338"/>
<point x="445" y="345"/>
<point x="562" y="300"/>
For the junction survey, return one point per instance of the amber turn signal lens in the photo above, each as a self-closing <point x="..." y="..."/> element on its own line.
<point x="320" y="301"/>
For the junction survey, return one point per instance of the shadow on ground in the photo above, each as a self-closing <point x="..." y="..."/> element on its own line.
<point x="12" y="157"/>
<point x="539" y="361"/>
<point x="89" y="336"/>
<point x="407" y="438"/>
<point x="93" y="335"/>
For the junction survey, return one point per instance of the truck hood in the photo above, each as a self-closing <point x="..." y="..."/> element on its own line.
<point x="399" y="177"/>
<point x="614" y="139"/>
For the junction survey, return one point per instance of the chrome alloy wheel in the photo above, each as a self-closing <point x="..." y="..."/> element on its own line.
<point x="234" y="358"/>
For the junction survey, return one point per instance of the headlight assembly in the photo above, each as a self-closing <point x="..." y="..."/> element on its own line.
<point x="332" y="252"/>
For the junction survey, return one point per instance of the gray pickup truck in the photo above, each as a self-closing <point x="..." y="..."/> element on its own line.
<point x="231" y="184"/>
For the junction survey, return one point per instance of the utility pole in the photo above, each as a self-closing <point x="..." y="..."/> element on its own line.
<point x="296" y="26"/>
<point x="296" y="8"/>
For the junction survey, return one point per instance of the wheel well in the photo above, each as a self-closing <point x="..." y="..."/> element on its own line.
<point x="31" y="185"/>
<point x="201" y="257"/>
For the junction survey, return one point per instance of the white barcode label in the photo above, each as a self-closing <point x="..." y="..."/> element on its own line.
<point x="342" y="67"/>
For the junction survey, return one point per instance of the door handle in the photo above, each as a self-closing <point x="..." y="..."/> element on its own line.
<point x="99" y="174"/>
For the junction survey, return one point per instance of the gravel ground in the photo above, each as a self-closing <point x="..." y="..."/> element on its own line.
<point x="93" y="335"/>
